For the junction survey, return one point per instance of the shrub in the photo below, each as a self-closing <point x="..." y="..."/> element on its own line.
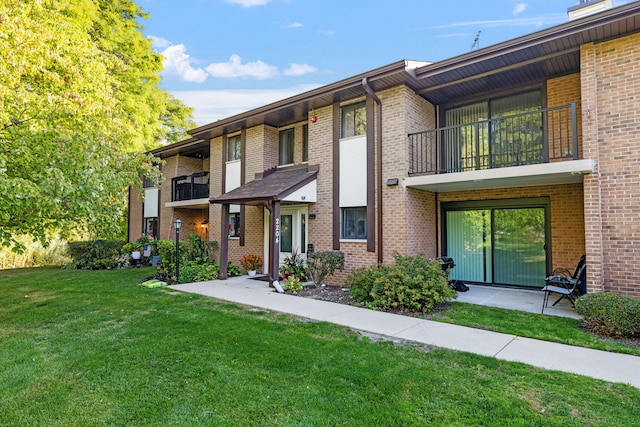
<point x="610" y="314"/>
<point x="167" y="250"/>
<point x="198" y="271"/>
<point x="95" y="255"/>
<point x="293" y="266"/>
<point x="232" y="269"/>
<point x="292" y="283"/>
<point x="198" y="248"/>
<point x="413" y="283"/>
<point x="320" y="265"/>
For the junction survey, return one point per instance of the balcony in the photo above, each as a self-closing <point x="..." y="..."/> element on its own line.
<point x="529" y="148"/>
<point x="185" y="188"/>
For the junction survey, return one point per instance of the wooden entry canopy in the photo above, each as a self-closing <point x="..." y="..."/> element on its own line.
<point x="269" y="189"/>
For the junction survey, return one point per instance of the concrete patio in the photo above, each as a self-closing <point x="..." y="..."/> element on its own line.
<point x="516" y="299"/>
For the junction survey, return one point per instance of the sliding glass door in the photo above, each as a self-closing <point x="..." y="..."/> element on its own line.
<point x="497" y="244"/>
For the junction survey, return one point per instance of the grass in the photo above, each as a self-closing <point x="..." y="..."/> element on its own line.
<point x="530" y="325"/>
<point x="92" y="348"/>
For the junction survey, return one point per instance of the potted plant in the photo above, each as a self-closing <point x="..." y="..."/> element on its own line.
<point x="251" y="263"/>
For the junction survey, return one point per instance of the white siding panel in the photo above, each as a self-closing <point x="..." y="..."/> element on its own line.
<point x="353" y="171"/>
<point x="233" y="176"/>
<point x="150" y="202"/>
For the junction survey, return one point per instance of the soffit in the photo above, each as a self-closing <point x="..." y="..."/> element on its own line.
<point x="532" y="58"/>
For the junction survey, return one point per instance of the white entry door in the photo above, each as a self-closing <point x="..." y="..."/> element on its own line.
<point x="293" y="231"/>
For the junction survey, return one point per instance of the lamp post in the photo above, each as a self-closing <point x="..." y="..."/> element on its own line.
<point x="177" y="224"/>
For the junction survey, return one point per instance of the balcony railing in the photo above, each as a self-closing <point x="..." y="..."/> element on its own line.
<point x="189" y="187"/>
<point x="533" y="137"/>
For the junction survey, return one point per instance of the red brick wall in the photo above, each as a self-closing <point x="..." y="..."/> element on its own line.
<point x="562" y="91"/>
<point x="191" y="218"/>
<point x="136" y="213"/>
<point x="610" y="79"/>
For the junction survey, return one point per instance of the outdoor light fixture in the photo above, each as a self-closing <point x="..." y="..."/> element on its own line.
<point x="177" y="224"/>
<point x="204" y="223"/>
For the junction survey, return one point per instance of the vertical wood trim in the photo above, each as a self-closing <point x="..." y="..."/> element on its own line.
<point x="336" y="176"/>
<point x="224" y="242"/>
<point x="243" y="169"/>
<point x="223" y="167"/>
<point x="371" y="175"/>
<point x="274" y="241"/>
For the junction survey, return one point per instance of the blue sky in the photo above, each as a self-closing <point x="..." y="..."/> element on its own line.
<point x="223" y="57"/>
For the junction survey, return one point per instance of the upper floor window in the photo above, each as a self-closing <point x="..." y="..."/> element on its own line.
<point x="286" y="145"/>
<point x="234" y="148"/>
<point x="354" y="120"/>
<point x="305" y="143"/>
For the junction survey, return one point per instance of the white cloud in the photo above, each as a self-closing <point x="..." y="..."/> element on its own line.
<point x="538" y="21"/>
<point x="159" y="42"/>
<point x="299" y="70"/>
<point x="176" y="61"/>
<point x="235" y="68"/>
<point x="293" y="25"/>
<point x="328" y="32"/>
<point x="519" y="8"/>
<point x="249" y="3"/>
<point x="212" y="105"/>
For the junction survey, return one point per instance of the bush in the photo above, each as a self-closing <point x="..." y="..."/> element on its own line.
<point x="198" y="248"/>
<point x="167" y="250"/>
<point x="293" y="266"/>
<point x="232" y="269"/>
<point x="413" y="283"/>
<point x="320" y="265"/>
<point x="610" y="314"/>
<point x="292" y="283"/>
<point x="198" y="271"/>
<point x="95" y="255"/>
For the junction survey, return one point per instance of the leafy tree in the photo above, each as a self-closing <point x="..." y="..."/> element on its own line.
<point x="79" y="103"/>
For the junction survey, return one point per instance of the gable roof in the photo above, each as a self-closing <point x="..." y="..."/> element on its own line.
<point x="275" y="184"/>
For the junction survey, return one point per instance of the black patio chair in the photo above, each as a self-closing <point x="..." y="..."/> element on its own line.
<point x="565" y="284"/>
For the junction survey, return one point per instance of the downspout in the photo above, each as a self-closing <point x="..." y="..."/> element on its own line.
<point x="371" y="93"/>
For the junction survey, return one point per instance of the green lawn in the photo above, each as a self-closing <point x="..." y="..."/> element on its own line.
<point x="92" y="348"/>
<point x="530" y="325"/>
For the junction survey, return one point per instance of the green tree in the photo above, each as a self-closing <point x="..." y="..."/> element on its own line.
<point x="79" y="103"/>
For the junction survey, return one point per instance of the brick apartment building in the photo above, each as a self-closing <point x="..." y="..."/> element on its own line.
<point x="513" y="159"/>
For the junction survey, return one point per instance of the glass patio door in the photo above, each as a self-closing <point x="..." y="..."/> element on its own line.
<point x="469" y="244"/>
<point x="519" y="246"/>
<point x="498" y="245"/>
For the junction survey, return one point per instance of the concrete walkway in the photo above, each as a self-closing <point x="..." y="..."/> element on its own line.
<point x="602" y="365"/>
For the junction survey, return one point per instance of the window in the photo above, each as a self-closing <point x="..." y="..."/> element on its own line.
<point x="287" y="142"/>
<point x="234" y="148"/>
<point x="151" y="227"/>
<point x="354" y="120"/>
<point x="305" y="143"/>
<point x="354" y="223"/>
<point x="234" y="224"/>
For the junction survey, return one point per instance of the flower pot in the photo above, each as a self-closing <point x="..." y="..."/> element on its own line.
<point x="251" y="273"/>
